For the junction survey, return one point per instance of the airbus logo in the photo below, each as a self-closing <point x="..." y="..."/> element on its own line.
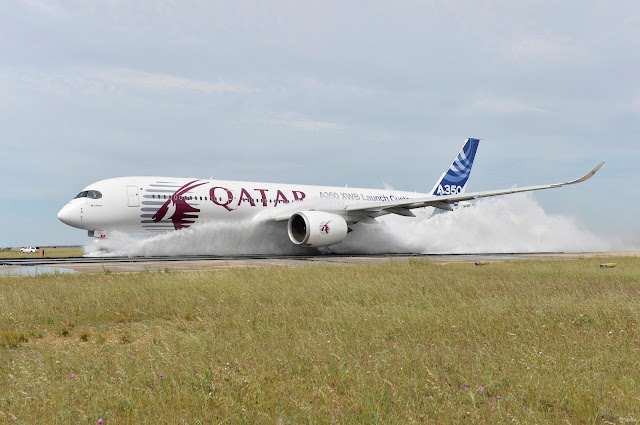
<point x="448" y="189"/>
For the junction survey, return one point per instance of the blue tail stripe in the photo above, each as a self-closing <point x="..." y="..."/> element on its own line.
<point x="452" y="173"/>
<point x="460" y="166"/>
<point x="454" y="179"/>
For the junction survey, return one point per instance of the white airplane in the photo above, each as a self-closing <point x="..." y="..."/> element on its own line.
<point x="316" y="216"/>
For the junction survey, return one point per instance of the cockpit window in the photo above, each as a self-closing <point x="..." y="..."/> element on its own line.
<point x="91" y="194"/>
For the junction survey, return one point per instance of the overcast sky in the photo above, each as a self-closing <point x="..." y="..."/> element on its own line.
<point x="328" y="92"/>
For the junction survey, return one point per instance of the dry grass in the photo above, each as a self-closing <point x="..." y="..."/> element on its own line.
<point x="517" y="342"/>
<point x="49" y="252"/>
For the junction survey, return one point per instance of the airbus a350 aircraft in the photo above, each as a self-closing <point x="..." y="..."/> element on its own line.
<point x="315" y="216"/>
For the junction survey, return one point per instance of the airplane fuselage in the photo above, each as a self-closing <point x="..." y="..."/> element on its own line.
<point x="158" y="204"/>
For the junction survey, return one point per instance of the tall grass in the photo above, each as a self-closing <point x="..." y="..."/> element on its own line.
<point x="518" y="342"/>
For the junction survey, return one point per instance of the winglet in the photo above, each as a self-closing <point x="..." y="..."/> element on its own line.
<point x="588" y="175"/>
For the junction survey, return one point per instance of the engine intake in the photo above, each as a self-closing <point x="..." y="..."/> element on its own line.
<point x="316" y="228"/>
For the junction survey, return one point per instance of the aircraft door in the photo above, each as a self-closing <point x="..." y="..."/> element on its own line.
<point x="132" y="196"/>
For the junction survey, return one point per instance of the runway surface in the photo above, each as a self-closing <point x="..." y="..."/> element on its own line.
<point x="31" y="266"/>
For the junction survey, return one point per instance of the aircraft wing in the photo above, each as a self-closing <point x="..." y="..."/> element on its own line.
<point x="443" y="202"/>
<point x="369" y="210"/>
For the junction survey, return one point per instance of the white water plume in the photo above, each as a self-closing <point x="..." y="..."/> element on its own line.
<point x="216" y="238"/>
<point x="506" y="224"/>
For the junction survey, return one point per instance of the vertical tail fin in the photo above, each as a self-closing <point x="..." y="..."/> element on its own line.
<point x="454" y="179"/>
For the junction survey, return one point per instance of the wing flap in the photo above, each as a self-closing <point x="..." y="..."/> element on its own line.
<point x="401" y="211"/>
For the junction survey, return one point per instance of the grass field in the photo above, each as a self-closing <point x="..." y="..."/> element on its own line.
<point x="49" y="252"/>
<point x="517" y="342"/>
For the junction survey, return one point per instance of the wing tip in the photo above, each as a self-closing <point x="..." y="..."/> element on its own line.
<point x="588" y="175"/>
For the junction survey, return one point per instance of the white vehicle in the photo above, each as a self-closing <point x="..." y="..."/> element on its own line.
<point x="29" y="249"/>
<point x="315" y="216"/>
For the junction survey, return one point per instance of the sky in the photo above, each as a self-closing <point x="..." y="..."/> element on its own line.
<point x="358" y="93"/>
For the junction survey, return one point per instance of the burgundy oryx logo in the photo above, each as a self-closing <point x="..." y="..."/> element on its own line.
<point x="185" y="215"/>
<point x="325" y="227"/>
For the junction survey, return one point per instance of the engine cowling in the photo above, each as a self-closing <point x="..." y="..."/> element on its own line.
<point x="316" y="228"/>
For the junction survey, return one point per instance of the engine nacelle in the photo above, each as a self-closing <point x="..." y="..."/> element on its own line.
<point x="316" y="228"/>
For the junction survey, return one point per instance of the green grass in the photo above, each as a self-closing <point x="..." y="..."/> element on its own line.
<point x="547" y="341"/>
<point x="49" y="252"/>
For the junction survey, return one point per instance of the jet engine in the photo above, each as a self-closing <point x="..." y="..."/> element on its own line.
<point x="316" y="228"/>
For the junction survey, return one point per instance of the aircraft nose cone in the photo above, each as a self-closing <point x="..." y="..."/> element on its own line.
<point x="69" y="216"/>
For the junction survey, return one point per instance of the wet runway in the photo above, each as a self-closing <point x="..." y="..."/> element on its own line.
<point x="31" y="266"/>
